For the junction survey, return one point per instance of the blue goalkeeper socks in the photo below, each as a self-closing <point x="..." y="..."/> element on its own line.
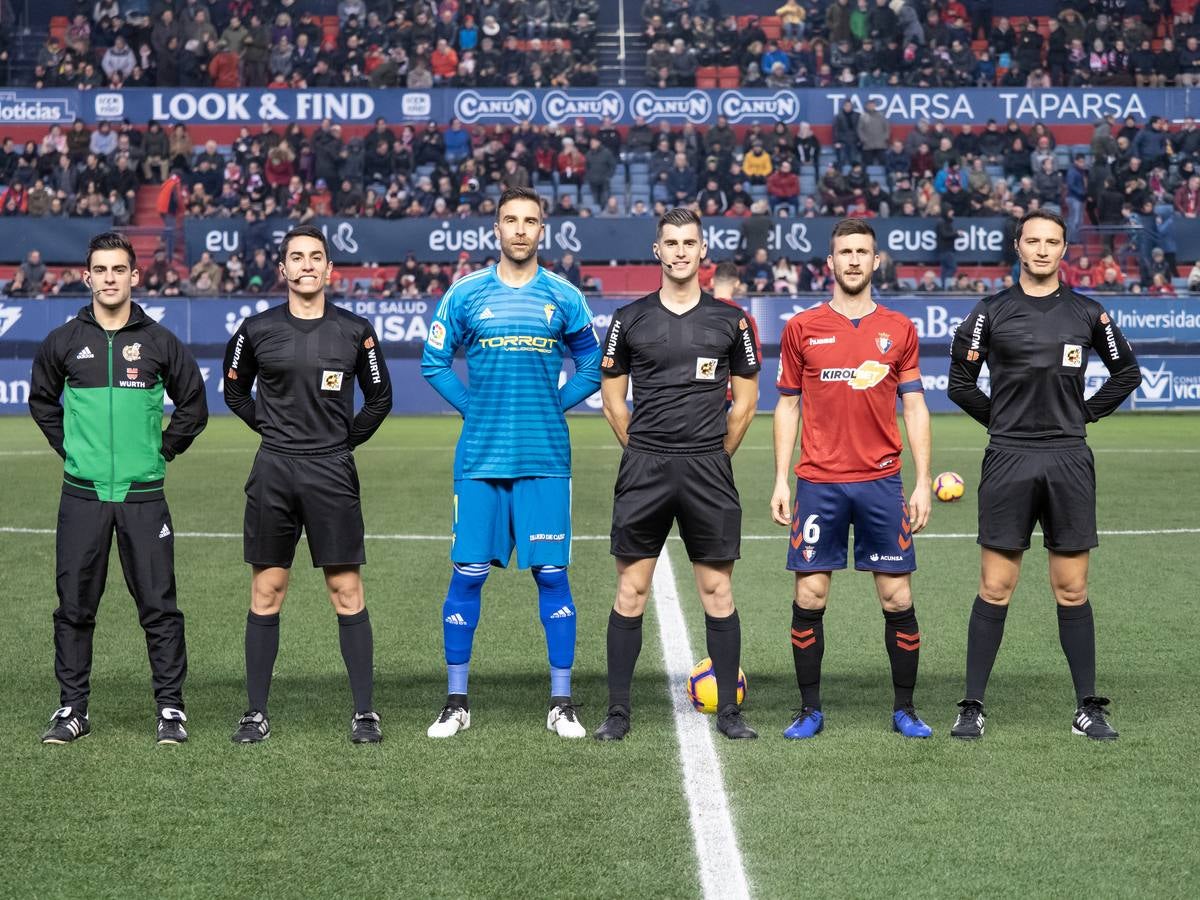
<point x="460" y="617"/>
<point x="557" y="612"/>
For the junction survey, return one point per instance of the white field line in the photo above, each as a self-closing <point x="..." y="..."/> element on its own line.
<point x="925" y="535"/>
<point x="720" y="861"/>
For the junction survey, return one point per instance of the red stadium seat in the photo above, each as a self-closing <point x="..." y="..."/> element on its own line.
<point x="729" y="77"/>
<point x="706" y="77"/>
<point x="772" y="27"/>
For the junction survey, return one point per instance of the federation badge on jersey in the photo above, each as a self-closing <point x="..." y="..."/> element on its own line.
<point x="884" y="342"/>
<point x="706" y="368"/>
<point x="437" y="336"/>
<point x="132" y="353"/>
<point x="1072" y="355"/>
<point x="331" y="381"/>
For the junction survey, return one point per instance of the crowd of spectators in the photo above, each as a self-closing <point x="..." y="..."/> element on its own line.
<point x="925" y="43"/>
<point x="278" y="43"/>
<point x="1134" y="177"/>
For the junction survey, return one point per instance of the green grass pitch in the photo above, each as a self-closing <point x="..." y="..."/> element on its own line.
<point x="509" y="810"/>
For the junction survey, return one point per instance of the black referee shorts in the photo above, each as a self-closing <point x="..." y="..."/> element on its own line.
<point x="317" y="493"/>
<point x="656" y="489"/>
<point x="1052" y="483"/>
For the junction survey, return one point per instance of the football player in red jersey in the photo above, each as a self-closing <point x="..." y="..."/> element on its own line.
<point x="851" y="358"/>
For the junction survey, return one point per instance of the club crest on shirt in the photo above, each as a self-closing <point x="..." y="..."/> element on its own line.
<point x="808" y="553"/>
<point x="884" y="342"/>
<point x="706" y="368"/>
<point x="548" y="309"/>
<point x="1072" y="355"/>
<point x="331" y="381"/>
<point x="132" y="353"/>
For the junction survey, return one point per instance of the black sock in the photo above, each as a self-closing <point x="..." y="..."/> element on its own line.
<point x="1077" y="634"/>
<point x="624" y="645"/>
<point x="808" y="646"/>
<point x="724" y="639"/>
<point x="902" y="637"/>
<point x="262" y="646"/>
<point x="358" y="651"/>
<point x="984" y="634"/>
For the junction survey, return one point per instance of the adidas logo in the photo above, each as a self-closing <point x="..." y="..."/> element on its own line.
<point x="487" y="313"/>
<point x="564" y="612"/>
<point x="455" y="619"/>
<point x="166" y="532"/>
<point x="85" y="353"/>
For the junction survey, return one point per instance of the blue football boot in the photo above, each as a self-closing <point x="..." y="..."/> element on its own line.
<point x="808" y="723"/>
<point x="908" y="723"/>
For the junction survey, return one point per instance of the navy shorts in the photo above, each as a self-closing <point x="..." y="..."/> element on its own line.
<point x="821" y="520"/>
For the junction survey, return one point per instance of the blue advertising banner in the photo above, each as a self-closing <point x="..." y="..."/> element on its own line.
<point x="1168" y="383"/>
<point x="360" y="241"/>
<point x="1054" y="106"/>
<point x="58" y="240"/>
<point x="403" y="324"/>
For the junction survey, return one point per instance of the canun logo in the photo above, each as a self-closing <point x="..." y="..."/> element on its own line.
<point x="694" y="107"/>
<point x="470" y="106"/>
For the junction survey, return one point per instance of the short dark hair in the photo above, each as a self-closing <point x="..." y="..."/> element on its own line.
<point x="851" y="226"/>
<point x="309" y="231"/>
<point x="111" y="240"/>
<point x="726" y="271"/>
<point x="517" y="193"/>
<point x="1040" y="214"/>
<point x="679" y="217"/>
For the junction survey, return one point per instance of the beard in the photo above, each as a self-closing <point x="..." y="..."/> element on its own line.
<point x="855" y="290"/>
<point x="517" y="254"/>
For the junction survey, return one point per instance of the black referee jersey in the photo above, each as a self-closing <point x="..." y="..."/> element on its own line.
<point x="1036" y="350"/>
<point x="680" y="366"/>
<point x="306" y="370"/>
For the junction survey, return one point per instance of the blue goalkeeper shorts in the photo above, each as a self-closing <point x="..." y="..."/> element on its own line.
<point x="492" y="516"/>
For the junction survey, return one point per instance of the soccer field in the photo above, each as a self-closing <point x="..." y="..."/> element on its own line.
<point x="507" y="809"/>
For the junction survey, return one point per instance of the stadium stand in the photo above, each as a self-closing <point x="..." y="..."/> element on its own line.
<point x="1121" y="185"/>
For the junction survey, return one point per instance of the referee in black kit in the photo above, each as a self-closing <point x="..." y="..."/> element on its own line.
<point x="681" y="348"/>
<point x="1035" y="338"/>
<point x="306" y="355"/>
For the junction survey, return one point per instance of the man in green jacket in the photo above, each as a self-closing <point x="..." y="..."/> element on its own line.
<point x="97" y="393"/>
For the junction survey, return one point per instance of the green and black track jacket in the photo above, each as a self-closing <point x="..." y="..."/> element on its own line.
<point x="108" y="424"/>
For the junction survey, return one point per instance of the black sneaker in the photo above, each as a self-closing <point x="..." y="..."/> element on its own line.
<point x="66" y="726"/>
<point x="1091" y="720"/>
<point x="969" y="724"/>
<point x="170" y="726"/>
<point x="731" y="724"/>
<point x="252" y="728"/>
<point x="615" y="725"/>
<point x="364" y="728"/>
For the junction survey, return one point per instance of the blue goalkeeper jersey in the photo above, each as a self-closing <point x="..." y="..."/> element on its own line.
<point x="514" y="338"/>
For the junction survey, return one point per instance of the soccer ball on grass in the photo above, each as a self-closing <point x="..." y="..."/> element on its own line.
<point x="948" y="487"/>
<point x="702" y="686"/>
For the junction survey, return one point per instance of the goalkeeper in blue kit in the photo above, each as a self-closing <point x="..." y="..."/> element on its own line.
<point x="512" y="466"/>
